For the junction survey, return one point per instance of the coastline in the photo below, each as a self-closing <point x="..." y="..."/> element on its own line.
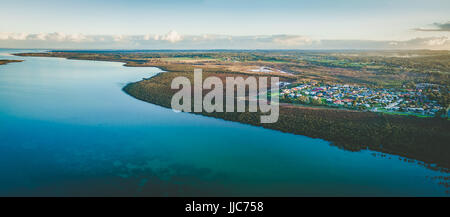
<point x="409" y="137"/>
<point x="4" y="62"/>
<point x="318" y="122"/>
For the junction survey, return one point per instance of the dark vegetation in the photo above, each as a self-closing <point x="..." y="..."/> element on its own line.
<point x="3" y="62"/>
<point x="424" y="139"/>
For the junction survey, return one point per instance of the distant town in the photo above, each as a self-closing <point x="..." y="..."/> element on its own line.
<point x="414" y="101"/>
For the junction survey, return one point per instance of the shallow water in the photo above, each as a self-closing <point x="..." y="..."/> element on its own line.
<point x="67" y="129"/>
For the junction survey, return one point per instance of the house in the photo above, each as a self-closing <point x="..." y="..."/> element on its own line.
<point x="338" y="102"/>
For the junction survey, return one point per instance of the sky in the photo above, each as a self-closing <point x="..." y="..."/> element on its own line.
<point x="225" y="24"/>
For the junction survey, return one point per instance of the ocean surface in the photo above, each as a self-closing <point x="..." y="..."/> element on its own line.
<point x="68" y="129"/>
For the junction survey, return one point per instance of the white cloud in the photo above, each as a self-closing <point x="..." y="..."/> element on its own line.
<point x="59" y="37"/>
<point x="13" y="36"/>
<point x="441" y="43"/>
<point x="292" y="40"/>
<point x="393" y="43"/>
<point x="436" y="41"/>
<point x="78" y="37"/>
<point x="172" y="37"/>
<point x="4" y="36"/>
<point x="173" y="40"/>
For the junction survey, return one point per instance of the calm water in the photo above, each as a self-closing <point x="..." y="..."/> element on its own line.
<point x="67" y="129"/>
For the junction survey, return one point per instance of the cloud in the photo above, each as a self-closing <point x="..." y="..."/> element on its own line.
<point x="171" y="37"/>
<point x="43" y="37"/>
<point x="13" y="36"/>
<point x="174" y="40"/>
<point x="291" y="40"/>
<point x="436" y="41"/>
<point x="441" y="43"/>
<point x="438" y="27"/>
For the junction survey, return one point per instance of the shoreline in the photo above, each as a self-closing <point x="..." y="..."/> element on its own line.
<point x="4" y="62"/>
<point x="349" y="130"/>
<point x="374" y="152"/>
<point x="131" y="90"/>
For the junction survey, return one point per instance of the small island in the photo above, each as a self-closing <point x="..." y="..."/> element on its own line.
<point x="4" y="62"/>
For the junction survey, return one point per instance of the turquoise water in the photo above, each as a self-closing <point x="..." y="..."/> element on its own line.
<point x="67" y="129"/>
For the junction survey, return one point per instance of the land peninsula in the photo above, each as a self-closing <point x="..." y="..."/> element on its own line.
<point x="414" y="137"/>
<point x="4" y="62"/>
